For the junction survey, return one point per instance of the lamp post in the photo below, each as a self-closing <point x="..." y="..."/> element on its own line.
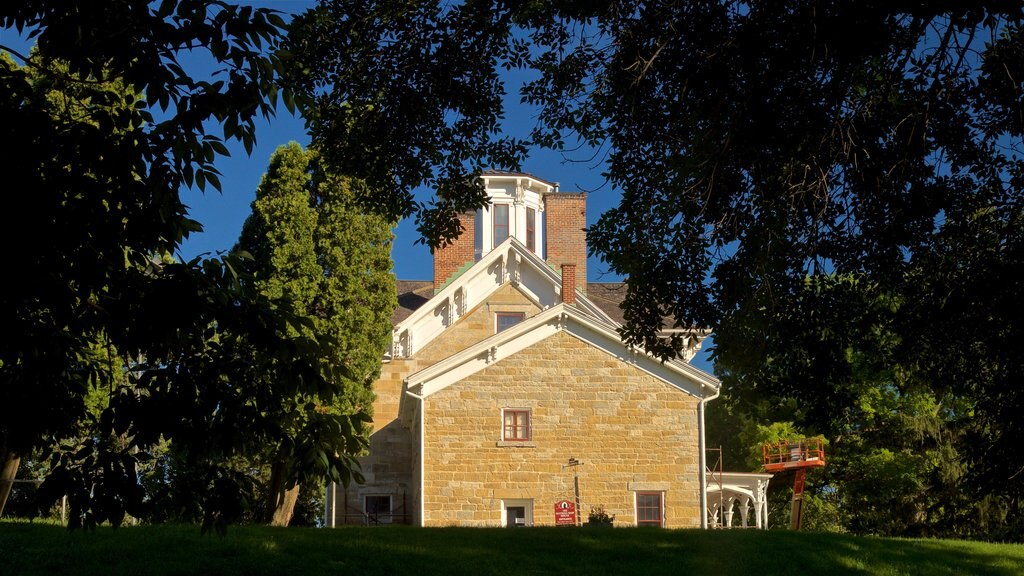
<point x="573" y="463"/>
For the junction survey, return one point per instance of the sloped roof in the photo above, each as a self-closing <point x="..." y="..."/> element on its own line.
<point x="427" y="314"/>
<point x="608" y="296"/>
<point x="561" y="318"/>
<point x="412" y="294"/>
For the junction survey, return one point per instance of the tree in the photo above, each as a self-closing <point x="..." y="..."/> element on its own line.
<point x="894" y="461"/>
<point x="316" y="251"/>
<point x="109" y="125"/>
<point x="760" y="148"/>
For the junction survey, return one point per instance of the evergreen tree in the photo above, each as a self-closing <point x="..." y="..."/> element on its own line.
<point x="110" y="125"/>
<point x="316" y="251"/>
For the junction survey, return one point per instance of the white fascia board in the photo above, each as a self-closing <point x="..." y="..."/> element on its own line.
<point x="541" y="268"/>
<point x="727" y="476"/>
<point x="484" y="278"/>
<point x="479" y="356"/>
<point x="603" y="336"/>
<point x="532" y="182"/>
<point x="712" y="487"/>
<point x="481" y="267"/>
<point x="431" y="319"/>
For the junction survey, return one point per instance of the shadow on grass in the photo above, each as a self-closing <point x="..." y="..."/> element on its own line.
<point x="39" y="549"/>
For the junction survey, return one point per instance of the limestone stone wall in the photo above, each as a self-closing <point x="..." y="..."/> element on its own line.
<point x="387" y="467"/>
<point x="391" y="467"/>
<point x="631" y="431"/>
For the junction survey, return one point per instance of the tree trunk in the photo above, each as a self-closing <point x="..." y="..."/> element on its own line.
<point x="7" y="476"/>
<point x="285" y="507"/>
<point x="280" y="499"/>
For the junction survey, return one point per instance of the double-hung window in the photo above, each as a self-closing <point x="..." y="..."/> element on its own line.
<point x="649" y="509"/>
<point x="500" y="223"/>
<point x="531" y="230"/>
<point x="516" y="426"/>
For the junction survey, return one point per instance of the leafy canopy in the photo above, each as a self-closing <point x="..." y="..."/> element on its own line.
<point x="782" y="164"/>
<point x="110" y="123"/>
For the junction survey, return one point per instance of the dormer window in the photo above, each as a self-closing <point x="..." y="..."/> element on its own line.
<point x="500" y="223"/>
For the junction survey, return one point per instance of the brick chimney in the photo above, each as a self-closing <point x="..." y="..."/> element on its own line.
<point x="450" y="258"/>
<point x="569" y="283"/>
<point x="565" y="219"/>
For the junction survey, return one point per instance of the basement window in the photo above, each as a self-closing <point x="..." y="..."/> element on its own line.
<point x="377" y="509"/>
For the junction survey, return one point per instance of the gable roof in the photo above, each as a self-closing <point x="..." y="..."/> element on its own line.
<point x="412" y="294"/>
<point x="608" y="296"/>
<point x="509" y="262"/>
<point x="561" y="318"/>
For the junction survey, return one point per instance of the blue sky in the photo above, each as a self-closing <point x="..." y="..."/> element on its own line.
<point x="222" y="214"/>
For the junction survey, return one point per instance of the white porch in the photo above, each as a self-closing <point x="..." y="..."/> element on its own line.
<point x="732" y="491"/>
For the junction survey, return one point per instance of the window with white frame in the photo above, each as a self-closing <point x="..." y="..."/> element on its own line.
<point x="531" y="230"/>
<point x="377" y="508"/>
<point x="516" y="513"/>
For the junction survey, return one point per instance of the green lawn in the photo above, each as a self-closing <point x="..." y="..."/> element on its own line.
<point x="29" y="549"/>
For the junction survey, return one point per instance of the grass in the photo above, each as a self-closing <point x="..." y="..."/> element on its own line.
<point x="30" y="549"/>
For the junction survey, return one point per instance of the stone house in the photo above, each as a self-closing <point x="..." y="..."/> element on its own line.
<point x="508" y="391"/>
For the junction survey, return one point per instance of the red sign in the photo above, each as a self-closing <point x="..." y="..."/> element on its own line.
<point x="565" y="513"/>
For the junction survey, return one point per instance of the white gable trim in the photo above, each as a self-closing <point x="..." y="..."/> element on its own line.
<point x="511" y="262"/>
<point x="561" y="318"/>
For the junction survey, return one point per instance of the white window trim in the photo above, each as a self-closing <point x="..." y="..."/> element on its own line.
<point x="515" y="503"/>
<point x="391" y="506"/>
<point x="508" y="225"/>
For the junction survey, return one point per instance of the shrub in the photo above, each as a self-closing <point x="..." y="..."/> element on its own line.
<point x="598" y="517"/>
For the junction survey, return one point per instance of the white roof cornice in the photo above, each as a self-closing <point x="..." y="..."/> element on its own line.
<point x="509" y="262"/>
<point x="565" y="318"/>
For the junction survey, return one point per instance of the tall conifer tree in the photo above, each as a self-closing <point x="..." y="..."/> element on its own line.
<point x="315" y="251"/>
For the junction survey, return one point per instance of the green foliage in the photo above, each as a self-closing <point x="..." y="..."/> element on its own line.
<point x="315" y="252"/>
<point x="23" y="502"/>
<point x="599" y="517"/>
<point x="110" y="124"/>
<point x="314" y="247"/>
<point x="823" y="512"/>
<point x="835" y="189"/>
<point x="756" y="436"/>
<point x="398" y="115"/>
